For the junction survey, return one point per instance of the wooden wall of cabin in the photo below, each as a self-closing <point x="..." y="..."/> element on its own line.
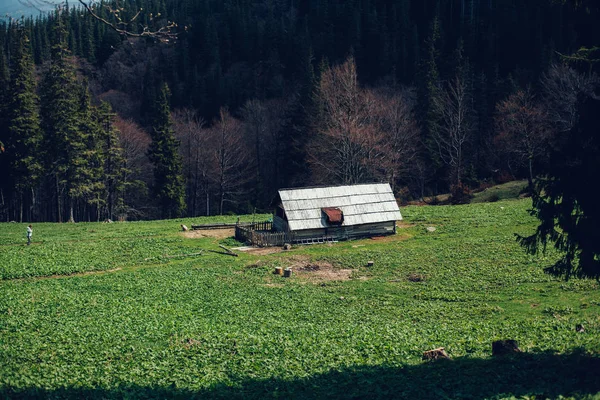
<point x="350" y="232"/>
<point x="279" y="224"/>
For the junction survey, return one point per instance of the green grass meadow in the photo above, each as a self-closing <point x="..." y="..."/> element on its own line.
<point x="103" y="311"/>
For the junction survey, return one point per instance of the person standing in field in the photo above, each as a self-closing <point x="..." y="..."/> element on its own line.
<point x="29" y="233"/>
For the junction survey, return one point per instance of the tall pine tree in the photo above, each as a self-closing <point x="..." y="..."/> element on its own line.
<point x="65" y="143"/>
<point x="88" y="177"/>
<point x="4" y="79"/>
<point x="23" y="125"/>
<point x="114" y="163"/>
<point x="3" y="121"/>
<point x="428" y="95"/>
<point x="169" y="185"/>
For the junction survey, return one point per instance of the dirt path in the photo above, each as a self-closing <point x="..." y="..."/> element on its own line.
<point x="212" y="233"/>
<point x="41" y="278"/>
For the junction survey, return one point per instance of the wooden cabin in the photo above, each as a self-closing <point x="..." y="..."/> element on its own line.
<point x="339" y="212"/>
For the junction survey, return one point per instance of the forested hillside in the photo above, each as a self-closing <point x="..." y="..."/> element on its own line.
<point x="250" y="96"/>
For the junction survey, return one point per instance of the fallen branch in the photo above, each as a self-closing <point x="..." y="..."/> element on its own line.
<point x="224" y="253"/>
<point x="230" y="252"/>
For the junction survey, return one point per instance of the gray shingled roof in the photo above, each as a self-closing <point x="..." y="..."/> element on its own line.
<point x="361" y="204"/>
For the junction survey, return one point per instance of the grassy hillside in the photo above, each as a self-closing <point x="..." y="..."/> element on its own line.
<point x="508" y="190"/>
<point x="139" y="324"/>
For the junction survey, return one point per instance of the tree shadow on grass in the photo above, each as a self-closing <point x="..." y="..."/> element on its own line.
<point x="541" y="375"/>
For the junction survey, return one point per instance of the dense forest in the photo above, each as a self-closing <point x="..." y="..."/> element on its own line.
<point x="239" y="98"/>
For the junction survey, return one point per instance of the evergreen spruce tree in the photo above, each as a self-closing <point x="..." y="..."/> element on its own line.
<point x="114" y="163"/>
<point x="4" y="79"/>
<point x="87" y="176"/>
<point x="88" y="47"/>
<point x="3" y="122"/>
<point x="23" y="124"/>
<point x="428" y="92"/>
<point x="65" y="143"/>
<point x="169" y="185"/>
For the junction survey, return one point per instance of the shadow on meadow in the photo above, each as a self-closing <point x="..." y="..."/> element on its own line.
<point x="541" y="375"/>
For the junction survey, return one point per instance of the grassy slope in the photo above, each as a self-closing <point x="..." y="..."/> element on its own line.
<point x="508" y="190"/>
<point x="73" y="248"/>
<point x="224" y="327"/>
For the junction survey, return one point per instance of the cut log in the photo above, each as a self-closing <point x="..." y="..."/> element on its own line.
<point x="435" y="354"/>
<point x="503" y="347"/>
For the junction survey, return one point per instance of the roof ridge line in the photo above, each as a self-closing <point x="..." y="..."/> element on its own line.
<point x="335" y="186"/>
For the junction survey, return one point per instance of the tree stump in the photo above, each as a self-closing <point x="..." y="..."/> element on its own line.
<point x="287" y="272"/>
<point x="287" y="246"/>
<point x="579" y="328"/>
<point x="503" y="347"/>
<point x="435" y="354"/>
<point x="370" y="263"/>
<point x="184" y="228"/>
<point x="278" y="271"/>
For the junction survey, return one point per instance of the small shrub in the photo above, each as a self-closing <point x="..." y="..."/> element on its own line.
<point x="460" y="194"/>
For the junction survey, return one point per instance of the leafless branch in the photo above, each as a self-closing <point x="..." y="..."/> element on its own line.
<point x="164" y="34"/>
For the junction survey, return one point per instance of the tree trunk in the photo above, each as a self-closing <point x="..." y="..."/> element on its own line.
<point x="530" y="177"/>
<point x="207" y="204"/>
<point x="71" y="217"/>
<point x="20" y="207"/>
<point x="59" y="215"/>
<point x="32" y="207"/>
<point x="222" y="195"/>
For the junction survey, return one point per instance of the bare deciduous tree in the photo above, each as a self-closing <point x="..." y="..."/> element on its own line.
<point x="346" y="137"/>
<point x="456" y="110"/>
<point x="229" y="155"/>
<point x="194" y="149"/>
<point x="561" y="85"/>
<point x="163" y="33"/>
<point x="134" y="141"/>
<point x="399" y="133"/>
<point x="522" y="130"/>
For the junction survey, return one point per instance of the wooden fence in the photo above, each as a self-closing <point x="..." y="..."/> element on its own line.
<point x="261" y="234"/>
<point x="219" y="225"/>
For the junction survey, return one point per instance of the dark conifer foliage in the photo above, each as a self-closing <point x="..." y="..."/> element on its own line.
<point x="112" y="164"/>
<point x="169" y="185"/>
<point x="23" y="126"/>
<point x="262" y="61"/>
<point x="4" y="80"/>
<point x="65" y="140"/>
